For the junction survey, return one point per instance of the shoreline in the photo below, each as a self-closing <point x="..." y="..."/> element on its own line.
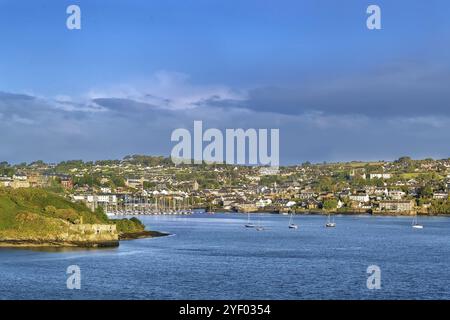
<point x="347" y="213"/>
<point x="25" y="243"/>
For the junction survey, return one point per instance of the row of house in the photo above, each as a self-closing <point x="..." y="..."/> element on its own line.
<point x="34" y="180"/>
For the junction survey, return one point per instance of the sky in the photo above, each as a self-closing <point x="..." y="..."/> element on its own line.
<point x="139" y="69"/>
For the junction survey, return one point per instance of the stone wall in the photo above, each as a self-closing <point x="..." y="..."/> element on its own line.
<point x="92" y="232"/>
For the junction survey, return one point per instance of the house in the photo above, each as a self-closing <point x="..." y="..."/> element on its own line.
<point x="261" y="203"/>
<point x="5" y="181"/>
<point x="406" y="206"/>
<point x="20" y="183"/>
<point x="105" y="190"/>
<point x="440" y="195"/>
<point x="135" y="183"/>
<point x="20" y="177"/>
<point x="312" y="204"/>
<point x="67" y="182"/>
<point x="359" y="197"/>
<point x="38" y="180"/>
<point x="98" y="199"/>
<point x="246" y="207"/>
<point x="396" y="194"/>
<point x="358" y="173"/>
<point x="306" y="194"/>
<point x="290" y="204"/>
<point x="380" y="176"/>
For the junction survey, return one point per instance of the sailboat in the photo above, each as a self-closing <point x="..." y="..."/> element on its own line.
<point x="291" y="224"/>
<point x="249" y="224"/>
<point x="415" y="223"/>
<point x="259" y="227"/>
<point x="330" y="223"/>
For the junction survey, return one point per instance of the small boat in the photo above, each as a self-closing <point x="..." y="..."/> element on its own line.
<point x="330" y="223"/>
<point x="249" y="224"/>
<point x="291" y="224"/>
<point x="415" y="223"/>
<point x="259" y="227"/>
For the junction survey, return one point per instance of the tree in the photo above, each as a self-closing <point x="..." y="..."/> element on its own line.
<point x="425" y="191"/>
<point x="405" y="160"/>
<point x="330" y="204"/>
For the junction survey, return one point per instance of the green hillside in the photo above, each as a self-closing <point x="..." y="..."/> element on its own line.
<point x="31" y="213"/>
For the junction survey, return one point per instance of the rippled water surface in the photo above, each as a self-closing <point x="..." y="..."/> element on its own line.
<point x="216" y="257"/>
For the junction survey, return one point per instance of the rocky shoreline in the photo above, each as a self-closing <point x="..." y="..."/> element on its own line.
<point x="35" y="243"/>
<point x="56" y="244"/>
<point x="142" y="234"/>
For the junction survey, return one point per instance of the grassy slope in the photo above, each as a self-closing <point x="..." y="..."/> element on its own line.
<point x="38" y="212"/>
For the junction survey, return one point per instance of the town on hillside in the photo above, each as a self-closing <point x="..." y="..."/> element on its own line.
<point x="141" y="184"/>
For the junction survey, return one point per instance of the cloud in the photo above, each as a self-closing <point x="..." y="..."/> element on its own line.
<point x="381" y="115"/>
<point x="405" y="90"/>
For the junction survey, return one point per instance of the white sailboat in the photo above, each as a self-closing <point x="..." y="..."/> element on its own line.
<point x="415" y="223"/>
<point x="259" y="227"/>
<point x="249" y="224"/>
<point x="291" y="224"/>
<point x="330" y="222"/>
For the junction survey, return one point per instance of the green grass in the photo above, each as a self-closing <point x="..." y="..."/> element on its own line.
<point x="30" y="211"/>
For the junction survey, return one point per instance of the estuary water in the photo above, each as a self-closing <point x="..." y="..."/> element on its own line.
<point x="216" y="257"/>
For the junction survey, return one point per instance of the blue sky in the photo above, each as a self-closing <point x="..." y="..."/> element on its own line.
<point x="139" y="69"/>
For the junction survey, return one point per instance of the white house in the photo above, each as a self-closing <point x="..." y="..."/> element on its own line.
<point x="380" y="176"/>
<point x="396" y="194"/>
<point x="440" y="195"/>
<point x="105" y="190"/>
<point x="290" y="204"/>
<point x="359" y="197"/>
<point x="261" y="203"/>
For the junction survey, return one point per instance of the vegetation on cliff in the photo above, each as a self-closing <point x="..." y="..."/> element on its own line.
<point x="39" y="214"/>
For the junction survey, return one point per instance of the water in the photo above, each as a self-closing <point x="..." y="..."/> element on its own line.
<point x="215" y="257"/>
